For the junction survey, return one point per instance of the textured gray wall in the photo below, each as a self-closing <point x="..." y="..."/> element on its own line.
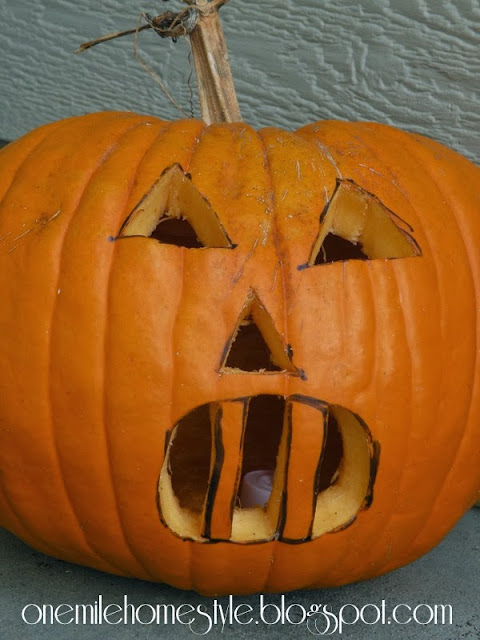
<point x="412" y="63"/>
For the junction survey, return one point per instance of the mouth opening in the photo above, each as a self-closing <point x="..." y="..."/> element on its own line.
<point x="265" y="467"/>
<point x="190" y="459"/>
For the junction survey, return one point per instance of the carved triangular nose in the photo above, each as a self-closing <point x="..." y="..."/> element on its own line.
<point x="255" y="345"/>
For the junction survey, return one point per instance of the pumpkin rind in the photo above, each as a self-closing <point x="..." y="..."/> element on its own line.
<point x="107" y="341"/>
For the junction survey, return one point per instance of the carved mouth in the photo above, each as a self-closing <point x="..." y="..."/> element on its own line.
<point x="321" y="459"/>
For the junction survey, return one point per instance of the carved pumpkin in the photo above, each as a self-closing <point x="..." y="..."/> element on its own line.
<point x="183" y="305"/>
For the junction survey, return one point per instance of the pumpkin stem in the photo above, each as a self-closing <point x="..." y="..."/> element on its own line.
<point x="218" y="100"/>
<point x="201" y="23"/>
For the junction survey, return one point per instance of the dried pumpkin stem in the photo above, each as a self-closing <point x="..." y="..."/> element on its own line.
<point x="218" y="100"/>
<point x="201" y="23"/>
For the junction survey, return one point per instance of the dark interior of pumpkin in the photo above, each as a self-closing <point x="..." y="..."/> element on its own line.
<point x="176" y="231"/>
<point x="343" y="468"/>
<point x="190" y="465"/>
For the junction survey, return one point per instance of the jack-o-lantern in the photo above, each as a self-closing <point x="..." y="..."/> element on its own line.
<point x="185" y="306"/>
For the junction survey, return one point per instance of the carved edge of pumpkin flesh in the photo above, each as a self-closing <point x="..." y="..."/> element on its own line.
<point x="371" y="451"/>
<point x="155" y="206"/>
<point x="347" y="216"/>
<point x="281" y="353"/>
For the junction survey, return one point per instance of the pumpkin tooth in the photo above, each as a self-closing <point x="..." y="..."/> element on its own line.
<point x="228" y="419"/>
<point x="338" y="504"/>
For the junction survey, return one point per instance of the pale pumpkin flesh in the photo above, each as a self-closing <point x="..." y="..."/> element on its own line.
<point x="360" y="218"/>
<point x="173" y="197"/>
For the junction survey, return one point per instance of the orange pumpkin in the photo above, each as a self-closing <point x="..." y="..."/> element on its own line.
<point x="184" y="304"/>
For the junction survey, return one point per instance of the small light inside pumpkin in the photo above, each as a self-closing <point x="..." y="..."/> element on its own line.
<point x="256" y="488"/>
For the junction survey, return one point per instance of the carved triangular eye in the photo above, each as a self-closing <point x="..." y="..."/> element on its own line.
<point x="357" y="226"/>
<point x="175" y="212"/>
<point x="256" y="346"/>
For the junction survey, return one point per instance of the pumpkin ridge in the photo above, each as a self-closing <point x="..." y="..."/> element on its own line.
<point x="306" y="134"/>
<point x="400" y="139"/>
<point x="474" y="372"/>
<point x="373" y="375"/>
<point x="191" y="578"/>
<point x="412" y="342"/>
<point x="286" y="387"/>
<point x="29" y="151"/>
<point x="85" y="550"/>
<point x="107" y="437"/>
<point x="404" y="452"/>
<point x="126" y="419"/>
<point x="274" y="543"/>
<point x="367" y="294"/>
<point x="360" y="127"/>
<point x="366" y="298"/>
<point x="50" y="130"/>
<point x="60" y="465"/>
<point x="28" y="537"/>
<point x="387" y="150"/>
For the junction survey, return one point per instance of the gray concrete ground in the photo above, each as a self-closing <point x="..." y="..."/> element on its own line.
<point x="448" y="575"/>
